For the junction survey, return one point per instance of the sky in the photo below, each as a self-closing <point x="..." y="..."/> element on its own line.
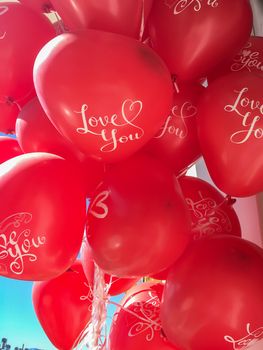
<point x="18" y="322"/>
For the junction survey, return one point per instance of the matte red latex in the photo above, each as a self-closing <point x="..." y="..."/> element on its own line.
<point x="40" y="6"/>
<point x="129" y="332"/>
<point x="63" y="306"/>
<point x="213" y="296"/>
<point x="102" y="106"/>
<point x="35" y="133"/>
<point x="114" y="285"/>
<point x="42" y="214"/>
<point x="177" y="142"/>
<point x="249" y="59"/>
<point x="210" y="211"/>
<point x="121" y="17"/>
<point x="9" y="148"/>
<point x="18" y="49"/>
<point x="230" y="125"/>
<point x="190" y="37"/>
<point x="137" y="221"/>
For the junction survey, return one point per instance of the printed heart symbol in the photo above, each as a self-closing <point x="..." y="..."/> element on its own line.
<point x="113" y="115"/>
<point x="246" y="53"/>
<point x="231" y="133"/>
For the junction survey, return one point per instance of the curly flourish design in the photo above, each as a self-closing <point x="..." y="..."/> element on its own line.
<point x="181" y="5"/>
<point x="250" y="339"/>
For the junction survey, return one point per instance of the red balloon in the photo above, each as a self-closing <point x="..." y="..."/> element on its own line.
<point x="177" y="142"/>
<point x="63" y="307"/>
<point x="40" y="6"/>
<point x="231" y="130"/>
<point x="9" y="148"/>
<point x="145" y="333"/>
<point x="190" y="37"/>
<point x="18" y="49"/>
<point x="249" y="59"/>
<point x="137" y="222"/>
<point x="35" y="133"/>
<point x="213" y="296"/>
<point x="112" y="114"/>
<point x="210" y="211"/>
<point x="114" y="285"/>
<point x="42" y="215"/>
<point x="121" y="17"/>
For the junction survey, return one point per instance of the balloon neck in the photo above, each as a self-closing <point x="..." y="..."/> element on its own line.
<point x="175" y="83"/>
<point x="47" y="8"/>
<point x="230" y="200"/>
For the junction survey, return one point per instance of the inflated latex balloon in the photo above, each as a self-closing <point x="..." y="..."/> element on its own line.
<point x="213" y="296"/>
<point x="18" y="50"/>
<point x="100" y="105"/>
<point x="249" y="59"/>
<point x="121" y="17"/>
<point x="210" y="211"/>
<point x="41" y="6"/>
<point x="9" y="148"/>
<point x="137" y="221"/>
<point x="35" y="133"/>
<point x="141" y="330"/>
<point x="230" y="125"/>
<point x="176" y="143"/>
<point x="63" y="307"/>
<point x="114" y="285"/>
<point x="42" y="215"/>
<point x="190" y="37"/>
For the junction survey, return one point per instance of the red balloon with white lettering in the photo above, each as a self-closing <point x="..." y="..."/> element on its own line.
<point x="213" y="296"/>
<point x="18" y="51"/>
<point x="113" y="114"/>
<point x="63" y="307"/>
<point x="35" y="133"/>
<point x="137" y="223"/>
<point x="142" y="329"/>
<point x="210" y="211"/>
<point x="9" y="148"/>
<point x="42" y="215"/>
<point x="177" y="142"/>
<point x="121" y="17"/>
<point x="249" y="59"/>
<point x="231" y="130"/>
<point x="190" y="37"/>
<point x="114" y="285"/>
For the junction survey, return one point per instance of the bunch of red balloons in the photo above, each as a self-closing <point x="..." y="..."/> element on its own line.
<point x="113" y="101"/>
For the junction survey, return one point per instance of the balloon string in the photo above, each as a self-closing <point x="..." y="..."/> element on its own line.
<point x="99" y="310"/>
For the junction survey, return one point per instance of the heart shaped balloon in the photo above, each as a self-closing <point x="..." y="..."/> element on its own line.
<point x="42" y="214"/>
<point x="230" y="125"/>
<point x="249" y="59"/>
<point x="18" y="52"/>
<point x="137" y="221"/>
<point x="102" y="106"/>
<point x="63" y="307"/>
<point x="114" y="285"/>
<point x="142" y="329"/>
<point x="177" y="142"/>
<point x="190" y="37"/>
<point x="210" y="211"/>
<point x="9" y="148"/>
<point x="121" y="17"/>
<point x="35" y="133"/>
<point x="213" y="296"/>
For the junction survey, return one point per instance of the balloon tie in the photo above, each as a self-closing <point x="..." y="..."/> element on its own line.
<point x="176" y="87"/>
